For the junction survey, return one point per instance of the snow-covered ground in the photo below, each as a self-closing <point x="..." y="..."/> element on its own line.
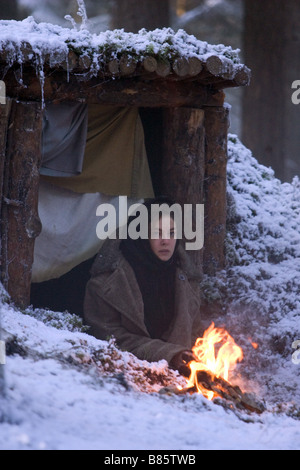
<point x="56" y="403"/>
<point x="67" y="390"/>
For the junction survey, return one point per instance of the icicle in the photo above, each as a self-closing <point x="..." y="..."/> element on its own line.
<point x="39" y="67"/>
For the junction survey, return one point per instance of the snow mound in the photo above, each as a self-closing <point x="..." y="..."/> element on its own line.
<point x="263" y="239"/>
<point x="57" y="338"/>
<point x="261" y="292"/>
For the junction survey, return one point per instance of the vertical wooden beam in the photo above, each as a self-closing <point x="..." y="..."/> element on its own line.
<point x="4" y="123"/>
<point x="216" y="128"/>
<point x="20" y="222"/>
<point x="4" y="119"/>
<point x="183" y="159"/>
<point x="5" y="110"/>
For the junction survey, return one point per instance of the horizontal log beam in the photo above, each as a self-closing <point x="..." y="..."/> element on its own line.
<point x="126" y="91"/>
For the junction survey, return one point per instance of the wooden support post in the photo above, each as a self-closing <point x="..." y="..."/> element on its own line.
<point x="4" y="123"/>
<point x="216" y="128"/>
<point x="4" y="119"/>
<point x="20" y="223"/>
<point x="183" y="159"/>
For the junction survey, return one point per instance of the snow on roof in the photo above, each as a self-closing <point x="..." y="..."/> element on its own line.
<point x="44" y="38"/>
<point x="170" y="52"/>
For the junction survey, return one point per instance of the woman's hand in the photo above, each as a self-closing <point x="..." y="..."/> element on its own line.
<point x="180" y="362"/>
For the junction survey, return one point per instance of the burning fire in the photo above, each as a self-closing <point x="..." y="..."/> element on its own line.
<point x="217" y="353"/>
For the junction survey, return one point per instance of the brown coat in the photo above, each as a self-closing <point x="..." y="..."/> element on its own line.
<point x="114" y="307"/>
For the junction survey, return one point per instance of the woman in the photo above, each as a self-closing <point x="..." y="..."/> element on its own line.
<point x="145" y="293"/>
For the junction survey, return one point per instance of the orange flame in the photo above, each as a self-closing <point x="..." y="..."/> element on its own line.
<point x="216" y="352"/>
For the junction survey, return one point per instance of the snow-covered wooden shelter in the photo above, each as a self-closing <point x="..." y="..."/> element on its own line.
<point x="169" y="82"/>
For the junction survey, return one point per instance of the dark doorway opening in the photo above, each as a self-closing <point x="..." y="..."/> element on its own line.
<point x="64" y="293"/>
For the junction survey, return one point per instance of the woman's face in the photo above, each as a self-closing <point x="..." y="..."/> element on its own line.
<point x="163" y="238"/>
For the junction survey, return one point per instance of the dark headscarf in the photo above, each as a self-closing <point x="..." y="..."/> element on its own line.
<point x="156" y="280"/>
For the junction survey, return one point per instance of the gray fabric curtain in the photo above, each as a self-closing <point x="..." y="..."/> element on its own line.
<point x="64" y="139"/>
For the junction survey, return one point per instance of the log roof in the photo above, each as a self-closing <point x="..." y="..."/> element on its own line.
<point x="60" y="56"/>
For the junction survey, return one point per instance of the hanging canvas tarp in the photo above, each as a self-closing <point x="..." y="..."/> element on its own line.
<point x="69" y="234"/>
<point x="102" y="150"/>
<point x="115" y="160"/>
<point x="64" y="139"/>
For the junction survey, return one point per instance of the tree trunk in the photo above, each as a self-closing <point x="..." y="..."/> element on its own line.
<point x="20" y="224"/>
<point x="9" y="10"/>
<point x="270" y="119"/>
<point x="134" y="15"/>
